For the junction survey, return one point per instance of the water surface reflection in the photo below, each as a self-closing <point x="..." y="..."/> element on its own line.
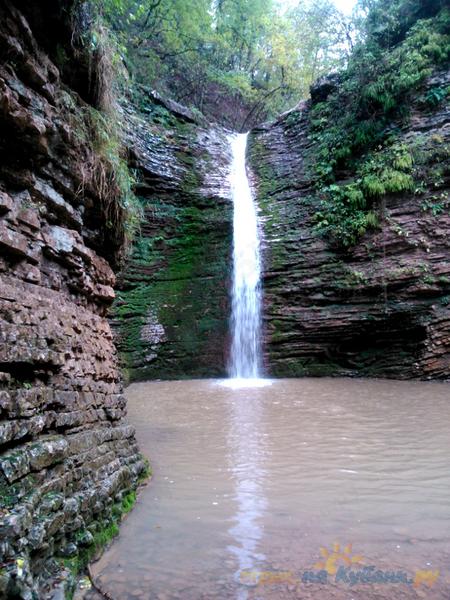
<point x="259" y="480"/>
<point x="247" y="456"/>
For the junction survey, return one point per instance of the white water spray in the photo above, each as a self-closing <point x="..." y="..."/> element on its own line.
<point x="246" y="293"/>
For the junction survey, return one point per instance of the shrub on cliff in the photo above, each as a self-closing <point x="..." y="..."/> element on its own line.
<point x="355" y="131"/>
<point x="105" y="166"/>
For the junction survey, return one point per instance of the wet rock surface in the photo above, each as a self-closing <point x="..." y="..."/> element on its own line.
<point x="172" y="308"/>
<point x="67" y="453"/>
<point x="378" y="309"/>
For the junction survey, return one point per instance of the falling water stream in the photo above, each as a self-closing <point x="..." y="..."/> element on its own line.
<point x="246" y="292"/>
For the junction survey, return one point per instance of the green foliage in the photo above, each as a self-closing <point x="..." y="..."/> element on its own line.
<point x="436" y="96"/>
<point x="105" y="170"/>
<point x="236" y="60"/>
<point x="347" y="210"/>
<point x="356" y="129"/>
<point x="388" y="20"/>
<point x="437" y="205"/>
<point x="96" y="129"/>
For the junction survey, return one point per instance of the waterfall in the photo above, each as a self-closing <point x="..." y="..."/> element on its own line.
<point x="246" y="291"/>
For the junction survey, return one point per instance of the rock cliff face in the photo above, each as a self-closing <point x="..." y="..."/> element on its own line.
<point x="172" y="308"/>
<point x="380" y="308"/>
<point x="67" y="454"/>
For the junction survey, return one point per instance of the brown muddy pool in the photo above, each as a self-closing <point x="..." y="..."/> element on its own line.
<point x="305" y="488"/>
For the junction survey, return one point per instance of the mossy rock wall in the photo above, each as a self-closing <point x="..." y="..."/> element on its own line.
<point x="172" y="307"/>
<point x="381" y="306"/>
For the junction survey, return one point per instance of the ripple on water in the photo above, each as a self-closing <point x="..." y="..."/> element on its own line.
<point x="238" y="383"/>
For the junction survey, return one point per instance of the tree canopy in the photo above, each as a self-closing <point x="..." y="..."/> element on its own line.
<point x="239" y="61"/>
<point x="243" y="61"/>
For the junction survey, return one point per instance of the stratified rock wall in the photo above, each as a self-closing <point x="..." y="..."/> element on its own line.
<point x="67" y="453"/>
<point x="172" y="308"/>
<point x="380" y="308"/>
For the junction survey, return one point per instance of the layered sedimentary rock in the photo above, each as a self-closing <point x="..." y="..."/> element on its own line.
<point x="67" y="453"/>
<point x="380" y="308"/>
<point x="172" y="308"/>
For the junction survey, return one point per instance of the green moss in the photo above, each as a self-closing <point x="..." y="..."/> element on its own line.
<point x="146" y="473"/>
<point x="125" y="505"/>
<point x="106" y="533"/>
<point x="175" y="283"/>
<point x="269" y="184"/>
<point x="103" y="532"/>
<point x="356" y="130"/>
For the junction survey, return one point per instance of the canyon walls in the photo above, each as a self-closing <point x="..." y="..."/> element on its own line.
<point x="377" y="308"/>
<point x="69" y="463"/>
<point x="381" y="306"/>
<point x="68" y="457"/>
<point x="172" y="308"/>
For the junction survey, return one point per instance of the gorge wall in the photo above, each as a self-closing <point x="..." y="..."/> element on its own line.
<point x="68" y="457"/>
<point x="377" y="308"/>
<point x="381" y="306"/>
<point x="172" y="308"/>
